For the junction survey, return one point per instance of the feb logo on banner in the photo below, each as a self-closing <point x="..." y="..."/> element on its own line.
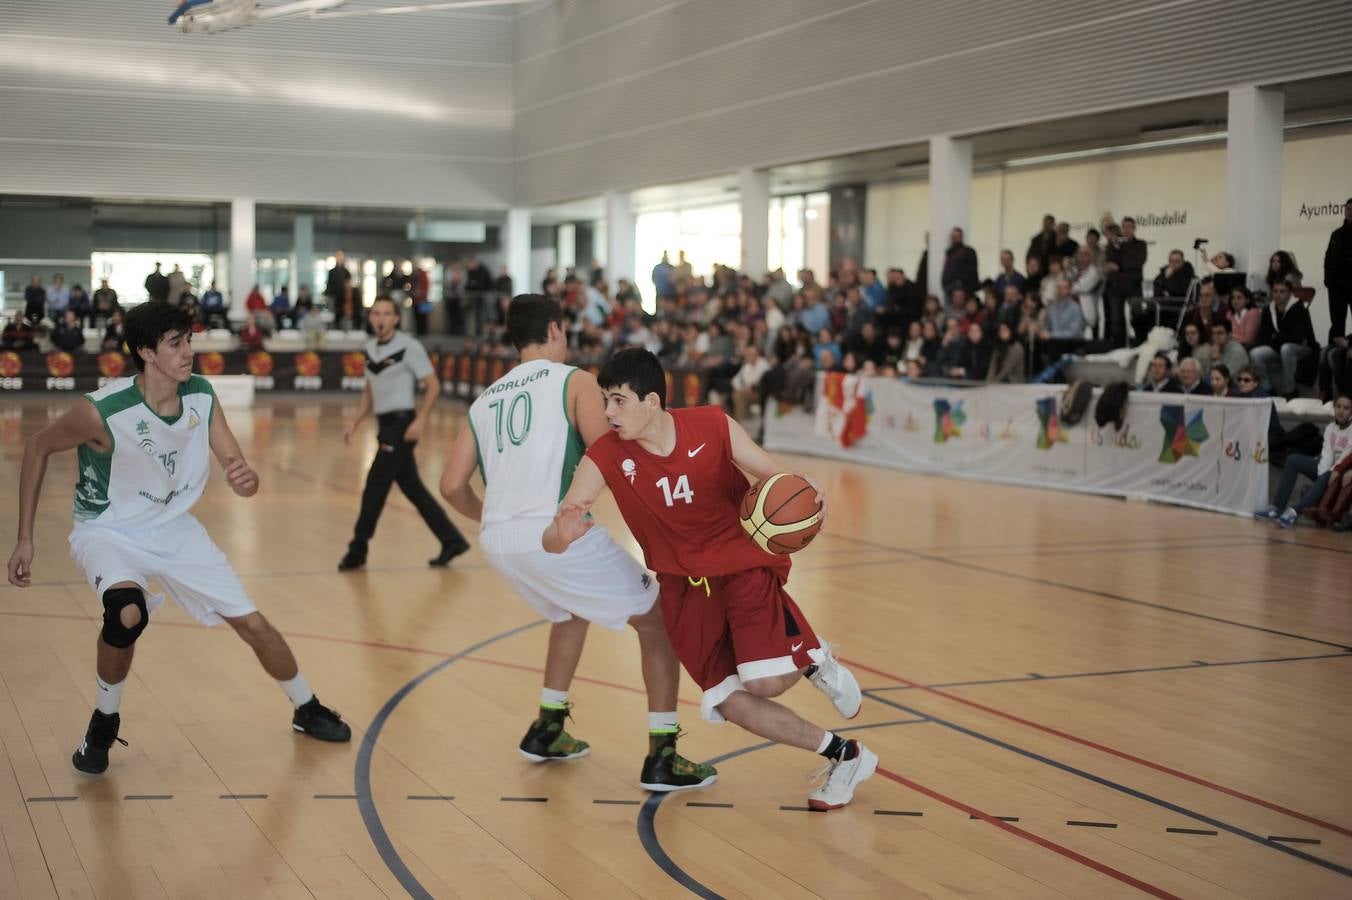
<point x="354" y="371"/>
<point x="60" y="369"/>
<point x="259" y="365"/>
<point x="307" y="372"/>
<point x="11" y="364"/>
<point x="692" y="390"/>
<point x="211" y="363"/>
<point x="111" y="367"/>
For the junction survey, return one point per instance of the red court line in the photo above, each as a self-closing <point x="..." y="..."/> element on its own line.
<point x="1029" y="836"/>
<point x="379" y="645"/>
<point x="1122" y="754"/>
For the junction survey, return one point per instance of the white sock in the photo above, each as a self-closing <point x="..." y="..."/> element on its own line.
<point x="826" y="742"/>
<point x="662" y="722"/>
<point x="551" y="699"/>
<point x="108" y="697"/>
<point x="297" y="690"/>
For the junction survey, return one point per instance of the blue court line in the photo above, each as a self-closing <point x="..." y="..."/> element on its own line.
<point x="1121" y="788"/>
<point x="1192" y="665"/>
<point x="361" y="776"/>
<point x="647" y="825"/>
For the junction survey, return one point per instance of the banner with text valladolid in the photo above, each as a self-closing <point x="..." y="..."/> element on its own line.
<point x="1205" y="452"/>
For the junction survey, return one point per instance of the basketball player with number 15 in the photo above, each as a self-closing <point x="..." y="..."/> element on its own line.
<point x="677" y="479"/>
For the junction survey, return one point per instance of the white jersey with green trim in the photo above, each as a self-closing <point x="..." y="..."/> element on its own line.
<point x="156" y="468"/>
<point x="528" y="447"/>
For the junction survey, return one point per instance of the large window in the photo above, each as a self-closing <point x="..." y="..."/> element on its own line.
<point x="800" y="234"/>
<point x="126" y="272"/>
<point x="707" y="235"/>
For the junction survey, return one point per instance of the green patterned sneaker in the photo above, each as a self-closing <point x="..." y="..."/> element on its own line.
<point x="546" y="740"/>
<point x="666" y="770"/>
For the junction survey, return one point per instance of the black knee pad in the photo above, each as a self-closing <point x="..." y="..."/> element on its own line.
<point x="115" y="634"/>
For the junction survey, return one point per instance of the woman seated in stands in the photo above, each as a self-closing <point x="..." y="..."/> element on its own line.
<point x="1007" y="358"/>
<point x="250" y="336"/>
<point x="1246" y="320"/>
<point x="1337" y="445"/>
<point x="18" y="334"/>
<point x="1282" y="267"/>
<point x="1193" y="346"/>
<point x="1222" y="382"/>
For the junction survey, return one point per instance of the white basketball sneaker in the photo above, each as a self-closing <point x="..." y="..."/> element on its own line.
<point x="838" y="683"/>
<point x="841" y="777"/>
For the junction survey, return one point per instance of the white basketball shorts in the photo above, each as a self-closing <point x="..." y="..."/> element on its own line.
<point x="178" y="554"/>
<point x="594" y="579"/>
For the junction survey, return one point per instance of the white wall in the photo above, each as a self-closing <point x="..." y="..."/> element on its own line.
<point x="1188" y="185"/>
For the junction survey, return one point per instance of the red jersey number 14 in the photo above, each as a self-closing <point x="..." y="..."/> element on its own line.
<point x="681" y="491"/>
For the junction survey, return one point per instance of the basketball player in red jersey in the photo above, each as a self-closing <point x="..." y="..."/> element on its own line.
<point x="677" y="479"/>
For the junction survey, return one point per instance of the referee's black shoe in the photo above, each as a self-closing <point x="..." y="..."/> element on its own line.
<point x="449" y="552"/>
<point x="320" y="722"/>
<point x="351" y="561"/>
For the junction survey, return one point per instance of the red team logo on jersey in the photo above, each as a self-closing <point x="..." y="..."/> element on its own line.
<point x="211" y="363"/>
<point x="260" y="363"/>
<point x="10" y="364"/>
<point x="60" y="364"/>
<point x="354" y="365"/>
<point x="307" y="364"/>
<point x="112" y="365"/>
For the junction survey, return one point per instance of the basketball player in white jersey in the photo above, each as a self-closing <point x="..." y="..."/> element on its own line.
<point x="527" y="431"/>
<point x="144" y="447"/>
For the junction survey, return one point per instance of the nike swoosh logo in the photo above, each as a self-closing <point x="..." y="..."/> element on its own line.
<point x="794" y="648"/>
<point x="691" y="453"/>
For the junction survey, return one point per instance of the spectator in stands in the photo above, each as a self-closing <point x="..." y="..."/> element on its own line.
<point x="967" y="309"/>
<point x="178" y="283"/>
<point x="931" y="339"/>
<point x="1062" y="330"/>
<point x="1246" y="320"/>
<point x="1190" y="379"/>
<point x="1007" y="359"/>
<point x="1065" y="246"/>
<point x="825" y="346"/>
<point x="1123" y="270"/>
<point x="1047" y="290"/>
<point x="68" y="334"/>
<point x="1334" y="371"/>
<point x="1210" y="305"/>
<point x="816" y="315"/>
<point x="1175" y="278"/>
<point x="1225" y="349"/>
<point x="1248" y="387"/>
<point x="338" y="285"/>
<point x="82" y="305"/>
<point x="1221" y="263"/>
<point x="905" y="298"/>
<point x="251" y="336"/>
<point x="1285" y="338"/>
<point x="157" y="285"/>
<point x="894" y="349"/>
<point x="867" y="344"/>
<point x="1011" y="310"/>
<point x="213" y="307"/>
<point x="114" y="335"/>
<point x="1086" y="283"/>
<point x="1192" y="346"/>
<point x="281" y="308"/>
<point x="58" y="298"/>
<point x="1034" y="268"/>
<point x="1282" y="267"/>
<point x="1008" y="275"/>
<point x="960" y="265"/>
<point x="18" y="334"/>
<point x="871" y="290"/>
<point x="105" y="303"/>
<point x="746" y="384"/>
<point x="1093" y="240"/>
<point x="1222" y="384"/>
<point x="1337" y="444"/>
<point x="1160" y="379"/>
<point x="948" y="356"/>
<point x="1338" y="273"/>
<point x="974" y="359"/>
<point x="305" y="304"/>
<point x="1044" y="242"/>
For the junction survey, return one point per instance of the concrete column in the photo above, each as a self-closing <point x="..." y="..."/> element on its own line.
<point x="619" y="225"/>
<point x="566" y="248"/>
<point x="302" y="253"/>
<point x="950" y="171"/>
<point x="517" y="233"/>
<point x="1253" y="176"/>
<point x="755" y="201"/>
<point x="241" y="254"/>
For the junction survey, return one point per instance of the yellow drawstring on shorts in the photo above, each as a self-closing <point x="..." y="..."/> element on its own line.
<point x="700" y="582"/>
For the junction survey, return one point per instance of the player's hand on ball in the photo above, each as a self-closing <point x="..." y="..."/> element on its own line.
<point x="21" y="564"/>
<point x="242" y="479"/>
<point x="821" y="496"/>
<point x="571" y="521"/>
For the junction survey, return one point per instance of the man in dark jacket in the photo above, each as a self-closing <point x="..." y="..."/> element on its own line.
<point x="1044" y="242"/>
<point x="960" y="265"/>
<point x="905" y="299"/>
<point x="1286" y="337"/>
<point x="1174" y="278"/>
<point x="1338" y="273"/>
<point x="1124" y="267"/>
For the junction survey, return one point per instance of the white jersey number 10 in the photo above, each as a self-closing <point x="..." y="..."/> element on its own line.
<point x="517" y="422"/>
<point x="680" y="492"/>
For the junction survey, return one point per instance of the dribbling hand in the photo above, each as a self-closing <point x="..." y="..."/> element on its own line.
<point x="821" y="496"/>
<point x="242" y="479"/>
<point x="21" y="564"/>
<point x="571" y="522"/>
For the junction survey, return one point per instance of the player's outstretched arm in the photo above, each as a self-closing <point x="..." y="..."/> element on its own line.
<point x="455" y="486"/>
<point x="364" y="406"/>
<point x="753" y="459"/>
<point x="81" y="424"/>
<point x="571" y="521"/>
<point x="243" y="480"/>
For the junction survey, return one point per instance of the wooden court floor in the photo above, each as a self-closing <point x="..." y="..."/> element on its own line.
<point x="1071" y="697"/>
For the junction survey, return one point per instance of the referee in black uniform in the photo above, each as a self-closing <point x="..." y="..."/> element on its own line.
<point x="394" y="362"/>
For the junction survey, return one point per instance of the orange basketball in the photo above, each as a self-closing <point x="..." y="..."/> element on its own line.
<point x="782" y="514"/>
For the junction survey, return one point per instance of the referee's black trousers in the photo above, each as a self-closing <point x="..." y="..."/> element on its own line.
<point x="394" y="464"/>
